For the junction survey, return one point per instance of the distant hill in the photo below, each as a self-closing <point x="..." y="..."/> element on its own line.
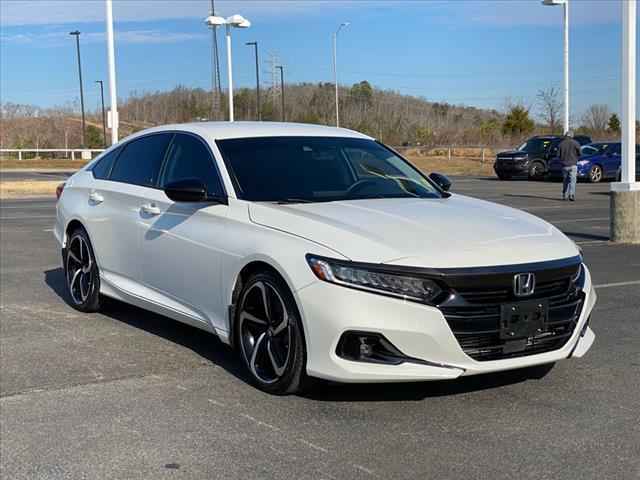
<point x="387" y="115"/>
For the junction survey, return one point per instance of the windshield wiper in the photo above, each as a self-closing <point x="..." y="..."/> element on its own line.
<point x="285" y="201"/>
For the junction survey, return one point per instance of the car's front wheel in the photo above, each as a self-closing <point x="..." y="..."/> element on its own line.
<point x="269" y="335"/>
<point x="81" y="272"/>
<point x="536" y="171"/>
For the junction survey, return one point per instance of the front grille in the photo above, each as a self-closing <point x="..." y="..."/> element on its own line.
<point x="474" y="313"/>
<point x="501" y="295"/>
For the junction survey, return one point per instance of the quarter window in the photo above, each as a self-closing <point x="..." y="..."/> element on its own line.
<point x="189" y="158"/>
<point x="103" y="166"/>
<point x="140" y="162"/>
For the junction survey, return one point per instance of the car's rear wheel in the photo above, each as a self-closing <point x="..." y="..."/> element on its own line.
<point x="536" y="171"/>
<point x="595" y="174"/>
<point x="81" y="273"/>
<point x="269" y="335"/>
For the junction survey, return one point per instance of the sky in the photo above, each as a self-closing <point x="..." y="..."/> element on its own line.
<point x="472" y="52"/>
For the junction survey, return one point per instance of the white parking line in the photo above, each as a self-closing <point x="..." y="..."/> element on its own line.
<point x="578" y="220"/>
<point x="592" y="243"/>
<point x="618" y="284"/>
<point x="32" y="207"/>
<point x="28" y="217"/>
<point x="564" y="207"/>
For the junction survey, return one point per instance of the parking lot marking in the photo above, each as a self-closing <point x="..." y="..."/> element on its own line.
<point x="589" y="243"/>
<point x="28" y="217"/>
<point x="618" y="284"/>
<point x="564" y="207"/>
<point x="578" y="220"/>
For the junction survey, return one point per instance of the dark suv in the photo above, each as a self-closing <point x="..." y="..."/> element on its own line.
<point x="531" y="159"/>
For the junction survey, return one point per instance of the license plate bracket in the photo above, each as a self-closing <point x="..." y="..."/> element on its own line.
<point x="523" y="320"/>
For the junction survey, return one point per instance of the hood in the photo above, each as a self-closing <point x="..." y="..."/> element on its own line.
<point x="451" y="232"/>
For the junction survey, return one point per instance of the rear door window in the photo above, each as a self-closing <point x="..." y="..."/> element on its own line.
<point x="140" y="161"/>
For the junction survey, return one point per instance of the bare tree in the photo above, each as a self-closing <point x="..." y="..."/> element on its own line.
<point x="550" y="107"/>
<point x="596" y="118"/>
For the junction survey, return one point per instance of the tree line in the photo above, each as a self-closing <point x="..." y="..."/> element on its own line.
<point x="387" y="115"/>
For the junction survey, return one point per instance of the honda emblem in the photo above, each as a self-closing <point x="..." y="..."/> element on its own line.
<point x="524" y="284"/>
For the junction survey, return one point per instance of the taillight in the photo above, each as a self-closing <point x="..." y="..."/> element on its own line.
<point x="59" y="190"/>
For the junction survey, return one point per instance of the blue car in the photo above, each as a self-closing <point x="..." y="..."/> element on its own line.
<point x="598" y="161"/>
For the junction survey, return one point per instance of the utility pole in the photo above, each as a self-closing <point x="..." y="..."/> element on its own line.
<point x="258" y="111"/>
<point x="76" y="34"/>
<point x="216" y="89"/>
<point x="104" y="115"/>
<point x="281" y="68"/>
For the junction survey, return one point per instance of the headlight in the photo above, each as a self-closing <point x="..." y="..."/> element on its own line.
<point x="583" y="162"/>
<point x="374" y="280"/>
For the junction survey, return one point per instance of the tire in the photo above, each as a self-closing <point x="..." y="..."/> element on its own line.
<point x="271" y="345"/>
<point x="539" y="371"/>
<point x="82" y="277"/>
<point x="596" y="174"/>
<point x="536" y="171"/>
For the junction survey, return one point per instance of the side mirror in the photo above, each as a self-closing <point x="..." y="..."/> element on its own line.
<point x="441" y="180"/>
<point x="188" y="190"/>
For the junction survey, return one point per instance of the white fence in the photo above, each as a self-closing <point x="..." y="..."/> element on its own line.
<point x="59" y="153"/>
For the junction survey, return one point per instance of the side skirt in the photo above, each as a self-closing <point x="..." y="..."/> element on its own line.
<point x="110" y="290"/>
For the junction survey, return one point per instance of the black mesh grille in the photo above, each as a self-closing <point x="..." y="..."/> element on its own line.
<point x="475" y="319"/>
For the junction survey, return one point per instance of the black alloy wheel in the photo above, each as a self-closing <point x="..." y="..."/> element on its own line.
<point x="81" y="273"/>
<point x="269" y="335"/>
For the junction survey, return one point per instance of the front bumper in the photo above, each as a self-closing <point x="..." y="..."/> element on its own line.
<point x="514" y="168"/>
<point x="417" y="330"/>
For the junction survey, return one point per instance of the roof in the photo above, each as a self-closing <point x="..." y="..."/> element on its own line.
<point x="224" y="130"/>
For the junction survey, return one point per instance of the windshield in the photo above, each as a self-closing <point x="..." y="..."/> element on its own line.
<point x="534" y="145"/>
<point x="317" y="169"/>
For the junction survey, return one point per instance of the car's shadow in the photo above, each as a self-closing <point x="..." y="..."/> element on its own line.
<point x="209" y="347"/>
<point x="204" y="344"/>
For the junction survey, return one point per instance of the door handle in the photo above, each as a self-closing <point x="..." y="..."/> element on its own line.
<point x="150" y="209"/>
<point x="95" y="198"/>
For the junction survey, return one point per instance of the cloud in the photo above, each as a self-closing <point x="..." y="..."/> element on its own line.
<point x="55" y="39"/>
<point x="52" y="12"/>
<point x="498" y="13"/>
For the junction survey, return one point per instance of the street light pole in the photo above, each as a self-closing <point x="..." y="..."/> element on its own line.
<point x="625" y="195"/>
<point x="76" y="34"/>
<point x="565" y="55"/>
<point x="335" y="68"/>
<point x="281" y="68"/>
<point x="111" y="54"/>
<point x="229" y="73"/>
<point x="235" y="21"/>
<point x="258" y="110"/>
<point x="104" y="116"/>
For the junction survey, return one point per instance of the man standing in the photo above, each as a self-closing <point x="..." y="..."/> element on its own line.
<point x="569" y="152"/>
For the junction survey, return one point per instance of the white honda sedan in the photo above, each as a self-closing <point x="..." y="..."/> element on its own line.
<point x="319" y="252"/>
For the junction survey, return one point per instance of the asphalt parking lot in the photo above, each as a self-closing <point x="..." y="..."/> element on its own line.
<point x="129" y="394"/>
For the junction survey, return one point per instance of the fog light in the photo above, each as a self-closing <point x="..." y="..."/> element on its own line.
<point x="368" y="347"/>
<point x="366" y="350"/>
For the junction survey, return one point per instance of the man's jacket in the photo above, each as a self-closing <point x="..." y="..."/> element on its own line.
<point x="569" y="151"/>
